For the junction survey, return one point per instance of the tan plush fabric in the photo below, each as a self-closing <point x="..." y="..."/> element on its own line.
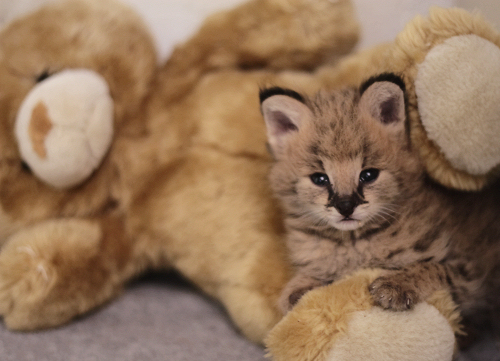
<point x="184" y="184"/>
<point x="339" y="323"/>
<point x="320" y="319"/>
<point x="405" y="57"/>
<point x="378" y="335"/>
<point x="472" y="86"/>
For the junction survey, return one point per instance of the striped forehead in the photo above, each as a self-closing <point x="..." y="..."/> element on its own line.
<point x="338" y="134"/>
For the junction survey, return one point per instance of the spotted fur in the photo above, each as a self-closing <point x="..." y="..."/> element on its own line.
<point x="424" y="236"/>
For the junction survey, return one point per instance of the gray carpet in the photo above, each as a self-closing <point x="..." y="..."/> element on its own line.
<point x="158" y="318"/>
<point x="484" y="349"/>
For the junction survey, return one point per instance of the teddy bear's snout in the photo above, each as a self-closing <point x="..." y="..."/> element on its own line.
<point x="64" y="127"/>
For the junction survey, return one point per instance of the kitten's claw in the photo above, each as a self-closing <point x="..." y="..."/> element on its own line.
<point x="389" y="293"/>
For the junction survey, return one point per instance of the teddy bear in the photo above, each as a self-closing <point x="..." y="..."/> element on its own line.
<point x="166" y="167"/>
<point x="447" y="61"/>
<point x="112" y="165"/>
<point x="339" y="322"/>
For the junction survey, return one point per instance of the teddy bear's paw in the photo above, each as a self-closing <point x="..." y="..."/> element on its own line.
<point x="52" y="272"/>
<point x="25" y="281"/>
<point x="389" y="292"/>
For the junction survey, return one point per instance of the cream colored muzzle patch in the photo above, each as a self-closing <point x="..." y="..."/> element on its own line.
<point x="64" y="127"/>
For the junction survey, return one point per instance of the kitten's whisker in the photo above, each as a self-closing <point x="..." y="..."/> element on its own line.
<point x="371" y="218"/>
<point x="394" y="219"/>
<point x="385" y="219"/>
<point x="388" y="211"/>
<point x="389" y="208"/>
<point x="393" y="205"/>
<point x="387" y="214"/>
<point x="318" y="218"/>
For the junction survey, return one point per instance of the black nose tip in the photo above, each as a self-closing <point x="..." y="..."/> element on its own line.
<point x="345" y="207"/>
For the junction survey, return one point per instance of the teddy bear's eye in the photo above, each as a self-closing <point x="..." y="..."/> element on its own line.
<point x="41" y="77"/>
<point x="25" y="167"/>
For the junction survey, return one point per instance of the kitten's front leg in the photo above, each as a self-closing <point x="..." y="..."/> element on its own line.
<point x="400" y="290"/>
<point x="298" y="286"/>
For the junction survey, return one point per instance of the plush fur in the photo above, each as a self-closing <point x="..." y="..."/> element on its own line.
<point x="356" y="196"/>
<point x="405" y="57"/>
<point x="321" y="326"/>
<point x="184" y="184"/>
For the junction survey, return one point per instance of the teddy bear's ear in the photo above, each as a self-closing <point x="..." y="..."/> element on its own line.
<point x="383" y="99"/>
<point x="285" y="112"/>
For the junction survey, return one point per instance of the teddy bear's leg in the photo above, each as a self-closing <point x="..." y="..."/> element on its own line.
<point x="274" y="33"/>
<point x="215" y="222"/>
<point x="58" y="269"/>
<point x="449" y="64"/>
<point x="458" y="98"/>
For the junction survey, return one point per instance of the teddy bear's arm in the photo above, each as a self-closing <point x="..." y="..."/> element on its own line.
<point x="276" y="34"/>
<point x="58" y="269"/>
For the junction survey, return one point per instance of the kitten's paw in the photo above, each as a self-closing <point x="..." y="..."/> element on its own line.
<point x="393" y="293"/>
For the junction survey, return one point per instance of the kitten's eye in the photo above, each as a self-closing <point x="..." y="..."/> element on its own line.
<point x="320" y="179"/>
<point x="368" y="175"/>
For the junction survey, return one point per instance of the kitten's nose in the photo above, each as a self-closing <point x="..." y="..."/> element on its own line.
<point x="345" y="207"/>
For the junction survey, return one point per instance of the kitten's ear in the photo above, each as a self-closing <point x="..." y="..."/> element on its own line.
<point x="284" y="112"/>
<point x="384" y="99"/>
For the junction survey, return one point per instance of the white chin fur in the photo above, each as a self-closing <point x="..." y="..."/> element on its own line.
<point x="348" y="225"/>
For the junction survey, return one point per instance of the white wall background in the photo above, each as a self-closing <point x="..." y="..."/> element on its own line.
<point x="381" y="20"/>
<point x="172" y="21"/>
<point x="489" y="8"/>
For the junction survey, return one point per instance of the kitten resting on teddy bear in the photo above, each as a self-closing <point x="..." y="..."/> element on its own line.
<point x="356" y="196"/>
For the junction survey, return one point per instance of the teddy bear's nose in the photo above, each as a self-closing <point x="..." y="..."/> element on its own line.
<point x="40" y="126"/>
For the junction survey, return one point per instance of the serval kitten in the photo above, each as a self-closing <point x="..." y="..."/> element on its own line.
<point x="356" y="196"/>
